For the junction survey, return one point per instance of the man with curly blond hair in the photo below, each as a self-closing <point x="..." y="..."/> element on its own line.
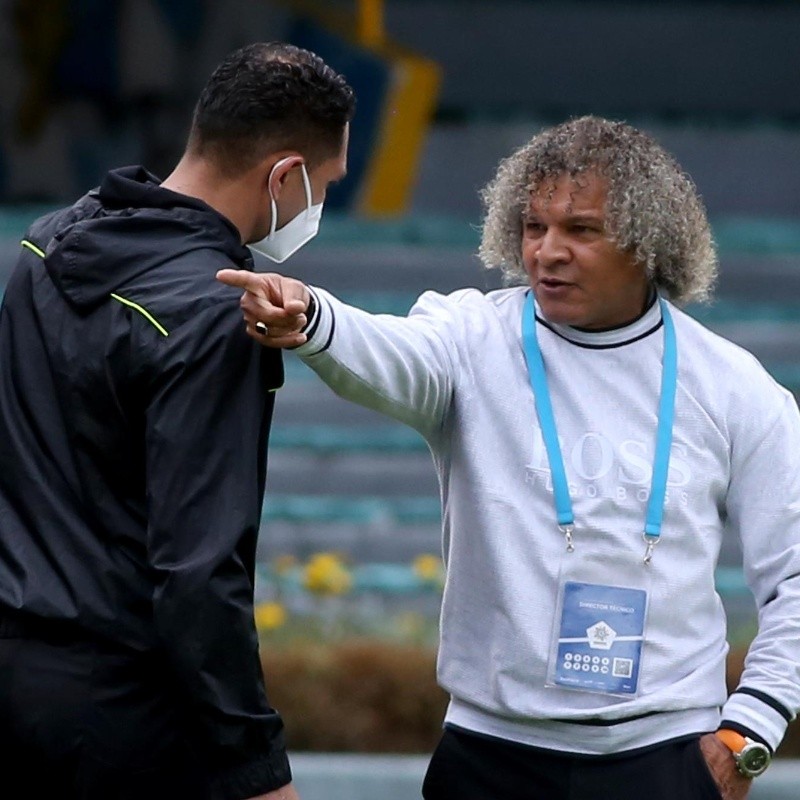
<point x="595" y="445"/>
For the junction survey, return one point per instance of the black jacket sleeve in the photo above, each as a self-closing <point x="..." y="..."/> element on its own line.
<point x="207" y="423"/>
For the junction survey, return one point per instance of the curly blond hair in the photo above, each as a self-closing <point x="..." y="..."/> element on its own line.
<point x="652" y="206"/>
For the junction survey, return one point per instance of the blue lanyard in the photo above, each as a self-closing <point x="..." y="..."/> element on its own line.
<point x="544" y="410"/>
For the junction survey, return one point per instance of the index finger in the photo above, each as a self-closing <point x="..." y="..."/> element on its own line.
<point x="244" y="279"/>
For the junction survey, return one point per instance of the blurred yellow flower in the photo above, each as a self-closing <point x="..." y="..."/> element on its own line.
<point x="282" y="564"/>
<point x="270" y="616"/>
<point x="326" y="573"/>
<point x="410" y="624"/>
<point x="429" y="568"/>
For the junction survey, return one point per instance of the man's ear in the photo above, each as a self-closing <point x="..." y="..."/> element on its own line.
<point x="279" y="168"/>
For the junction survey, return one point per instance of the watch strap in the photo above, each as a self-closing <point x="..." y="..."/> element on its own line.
<point x="733" y="740"/>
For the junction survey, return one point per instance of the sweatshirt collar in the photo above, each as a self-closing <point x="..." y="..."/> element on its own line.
<point x="649" y="322"/>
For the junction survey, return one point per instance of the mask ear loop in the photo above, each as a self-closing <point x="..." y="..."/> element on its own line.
<point x="273" y="210"/>
<point x="307" y="184"/>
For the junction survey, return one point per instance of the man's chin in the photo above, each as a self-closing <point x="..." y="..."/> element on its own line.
<point x="559" y="313"/>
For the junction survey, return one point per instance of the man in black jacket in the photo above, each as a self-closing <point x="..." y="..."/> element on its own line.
<point x="134" y="418"/>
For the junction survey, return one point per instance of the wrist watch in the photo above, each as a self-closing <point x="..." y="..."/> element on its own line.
<point x="751" y="757"/>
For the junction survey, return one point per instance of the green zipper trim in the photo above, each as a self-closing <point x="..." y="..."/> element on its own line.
<point x="143" y="311"/>
<point x="32" y="246"/>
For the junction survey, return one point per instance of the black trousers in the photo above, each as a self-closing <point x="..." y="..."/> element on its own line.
<point x="83" y="721"/>
<point x="467" y="766"/>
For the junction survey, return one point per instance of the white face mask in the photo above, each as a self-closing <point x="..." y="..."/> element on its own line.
<point x="279" y="244"/>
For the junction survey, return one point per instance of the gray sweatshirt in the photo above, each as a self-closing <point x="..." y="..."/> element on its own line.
<point x="455" y="370"/>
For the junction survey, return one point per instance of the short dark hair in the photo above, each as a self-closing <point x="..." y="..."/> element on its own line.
<point x="269" y="96"/>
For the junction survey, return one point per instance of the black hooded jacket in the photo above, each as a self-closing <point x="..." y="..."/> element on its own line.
<point x="134" y="417"/>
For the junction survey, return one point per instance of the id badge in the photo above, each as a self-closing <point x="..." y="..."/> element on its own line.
<point x="599" y="635"/>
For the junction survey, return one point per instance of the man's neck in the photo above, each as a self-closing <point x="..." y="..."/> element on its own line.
<point x="196" y="178"/>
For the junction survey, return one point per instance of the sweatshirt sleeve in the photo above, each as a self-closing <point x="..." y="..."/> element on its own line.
<point x="206" y="431"/>
<point x="764" y="508"/>
<point x="404" y="367"/>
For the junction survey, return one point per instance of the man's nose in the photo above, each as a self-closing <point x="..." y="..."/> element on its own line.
<point x="553" y="248"/>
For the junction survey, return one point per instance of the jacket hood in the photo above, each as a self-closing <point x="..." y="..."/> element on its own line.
<point x="126" y="227"/>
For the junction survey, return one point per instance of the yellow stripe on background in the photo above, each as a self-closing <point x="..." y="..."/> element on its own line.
<point x="143" y="311"/>
<point x="371" y="31"/>
<point x="410" y="104"/>
<point x="32" y="246"/>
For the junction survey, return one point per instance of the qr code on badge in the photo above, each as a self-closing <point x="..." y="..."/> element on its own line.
<point x="622" y="668"/>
